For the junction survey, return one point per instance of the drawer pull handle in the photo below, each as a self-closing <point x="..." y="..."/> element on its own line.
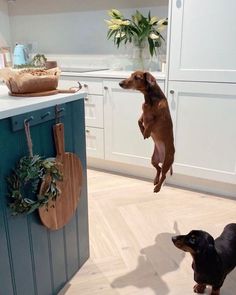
<point x="172" y="92"/>
<point x="86" y="98"/>
<point x="85" y="85"/>
<point x="45" y="115"/>
<point x="105" y="88"/>
<point x="87" y="131"/>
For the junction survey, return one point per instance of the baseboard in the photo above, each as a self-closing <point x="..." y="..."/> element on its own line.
<point x="177" y="180"/>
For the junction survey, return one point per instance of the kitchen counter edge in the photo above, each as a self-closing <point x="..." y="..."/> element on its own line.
<point x="12" y="106"/>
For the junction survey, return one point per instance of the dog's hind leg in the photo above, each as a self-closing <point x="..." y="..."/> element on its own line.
<point x="199" y="288"/>
<point x="155" y="162"/>
<point x="169" y="159"/>
<point x="215" y="291"/>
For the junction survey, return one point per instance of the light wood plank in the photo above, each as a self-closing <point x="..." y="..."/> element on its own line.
<point x="130" y="237"/>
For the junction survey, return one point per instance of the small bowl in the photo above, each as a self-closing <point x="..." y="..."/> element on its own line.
<point x="50" y="64"/>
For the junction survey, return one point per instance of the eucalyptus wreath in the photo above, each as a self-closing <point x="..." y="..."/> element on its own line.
<point x="26" y="179"/>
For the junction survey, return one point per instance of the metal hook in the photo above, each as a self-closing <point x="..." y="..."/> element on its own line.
<point x="29" y="119"/>
<point x="57" y="113"/>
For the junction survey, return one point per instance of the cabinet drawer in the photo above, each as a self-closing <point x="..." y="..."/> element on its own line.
<point x="114" y="84"/>
<point x="94" y="111"/>
<point x="91" y="86"/>
<point x="67" y="82"/>
<point x="95" y="142"/>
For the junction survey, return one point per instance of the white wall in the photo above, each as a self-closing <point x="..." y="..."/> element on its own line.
<point x="72" y="26"/>
<point x="5" y="39"/>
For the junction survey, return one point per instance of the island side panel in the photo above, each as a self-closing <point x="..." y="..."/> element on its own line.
<point x="82" y="211"/>
<point x="19" y="252"/>
<point x="74" y="111"/>
<point x="47" y="257"/>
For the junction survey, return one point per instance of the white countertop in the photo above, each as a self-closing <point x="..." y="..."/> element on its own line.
<point x="12" y="106"/>
<point x="110" y="74"/>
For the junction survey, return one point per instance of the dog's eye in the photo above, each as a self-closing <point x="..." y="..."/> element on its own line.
<point x="192" y="240"/>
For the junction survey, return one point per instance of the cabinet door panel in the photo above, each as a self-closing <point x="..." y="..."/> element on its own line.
<point x="205" y="133"/>
<point x="94" y="111"/>
<point x="123" y="139"/>
<point x="95" y="142"/>
<point x="202" y="46"/>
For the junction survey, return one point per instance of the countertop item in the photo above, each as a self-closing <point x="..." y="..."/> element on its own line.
<point x="11" y="106"/>
<point x="20" y="56"/>
<point x="109" y="74"/>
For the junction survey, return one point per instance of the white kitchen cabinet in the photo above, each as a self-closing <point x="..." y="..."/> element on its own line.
<point x="204" y="118"/>
<point x="94" y="110"/>
<point x="202" y="40"/>
<point x="124" y="142"/>
<point x="94" y="142"/>
<point x="93" y="104"/>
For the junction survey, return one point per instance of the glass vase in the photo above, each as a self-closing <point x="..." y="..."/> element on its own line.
<point x="141" y="56"/>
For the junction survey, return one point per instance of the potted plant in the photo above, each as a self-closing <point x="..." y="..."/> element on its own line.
<point x="141" y="31"/>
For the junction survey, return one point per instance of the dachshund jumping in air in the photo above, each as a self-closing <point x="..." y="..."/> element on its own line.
<point x="212" y="259"/>
<point x="155" y="122"/>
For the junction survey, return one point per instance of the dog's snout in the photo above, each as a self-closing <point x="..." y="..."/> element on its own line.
<point x="121" y="83"/>
<point x="174" y="239"/>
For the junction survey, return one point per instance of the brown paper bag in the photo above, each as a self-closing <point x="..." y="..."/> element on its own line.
<point x="30" y="80"/>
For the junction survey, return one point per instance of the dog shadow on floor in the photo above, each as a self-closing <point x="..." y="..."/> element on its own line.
<point x="229" y="285"/>
<point x="154" y="262"/>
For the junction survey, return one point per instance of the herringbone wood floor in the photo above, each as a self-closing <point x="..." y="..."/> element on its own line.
<point x="130" y="237"/>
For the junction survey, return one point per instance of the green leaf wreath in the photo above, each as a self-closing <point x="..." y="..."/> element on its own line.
<point x="26" y="179"/>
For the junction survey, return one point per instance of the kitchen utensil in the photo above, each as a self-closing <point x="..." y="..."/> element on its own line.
<point x="59" y="212"/>
<point x="45" y="93"/>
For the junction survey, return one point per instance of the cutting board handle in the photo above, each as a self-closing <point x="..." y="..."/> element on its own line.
<point x="58" y="131"/>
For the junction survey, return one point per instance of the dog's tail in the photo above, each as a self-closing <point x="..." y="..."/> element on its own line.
<point x="171" y="170"/>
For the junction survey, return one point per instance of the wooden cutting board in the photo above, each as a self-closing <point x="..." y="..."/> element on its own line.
<point x="59" y="212"/>
<point x="45" y="93"/>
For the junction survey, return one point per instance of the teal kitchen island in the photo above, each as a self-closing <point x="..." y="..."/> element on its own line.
<point x="33" y="259"/>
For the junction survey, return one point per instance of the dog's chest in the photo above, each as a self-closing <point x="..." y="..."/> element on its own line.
<point x="149" y="113"/>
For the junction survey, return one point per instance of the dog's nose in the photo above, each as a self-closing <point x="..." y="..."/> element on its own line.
<point x="121" y="83"/>
<point x="174" y="239"/>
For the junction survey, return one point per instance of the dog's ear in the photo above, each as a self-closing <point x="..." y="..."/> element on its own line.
<point x="149" y="79"/>
<point x="211" y="242"/>
<point x="207" y="244"/>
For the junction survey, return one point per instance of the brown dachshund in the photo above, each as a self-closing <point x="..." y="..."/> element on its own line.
<point x="155" y="122"/>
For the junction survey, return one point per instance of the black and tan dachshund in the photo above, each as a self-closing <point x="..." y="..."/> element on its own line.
<point x="212" y="259"/>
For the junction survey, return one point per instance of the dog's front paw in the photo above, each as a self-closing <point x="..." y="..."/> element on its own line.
<point x="199" y="288"/>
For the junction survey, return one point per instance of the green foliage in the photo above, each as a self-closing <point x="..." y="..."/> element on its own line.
<point x="38" y="61"/>
<point x="28" y="175"/>
<point x="136" y="30"/>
